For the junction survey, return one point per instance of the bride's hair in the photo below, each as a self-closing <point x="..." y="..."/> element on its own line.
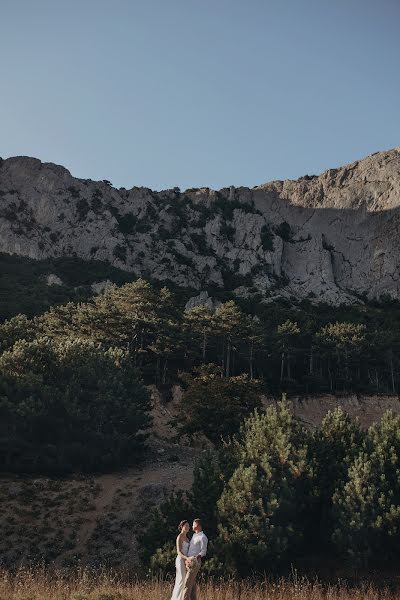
<point x="182" y="525"/>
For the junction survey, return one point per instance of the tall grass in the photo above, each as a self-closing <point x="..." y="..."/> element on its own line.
<point x="39" y="584"/>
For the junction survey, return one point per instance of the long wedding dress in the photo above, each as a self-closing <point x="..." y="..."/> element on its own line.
<point x="180" y="573"/>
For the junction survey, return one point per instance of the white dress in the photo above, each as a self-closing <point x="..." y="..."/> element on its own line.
<point x="180" y="573"/>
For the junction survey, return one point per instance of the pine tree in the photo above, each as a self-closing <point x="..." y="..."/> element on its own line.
<point x="230" y="327"/>
<point x="167" y="339"/>
<point x="157" y="538"/>
<point x="333" y="448"/>
<point x="215" y="405"/>
<point x="344" y="341"/>
<point x="286" y="333"/>
<point x="208" y="483"/>
<point x="367" y="507"/>
<point x="254" y="334"/>
<point x="127" y="317"/>
<point x="262" y="508"/>
<point x="199" y="327"/>
<point x="16" y="328"/>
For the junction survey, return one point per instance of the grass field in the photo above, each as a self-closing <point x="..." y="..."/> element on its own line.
<point x="28" y="584"/>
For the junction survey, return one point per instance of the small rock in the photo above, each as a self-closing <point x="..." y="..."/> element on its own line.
<point x="99" y="286"/>
<point x="53" y="279"/>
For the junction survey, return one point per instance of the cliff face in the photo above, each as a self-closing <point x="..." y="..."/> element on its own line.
<point x="331" y="238"/>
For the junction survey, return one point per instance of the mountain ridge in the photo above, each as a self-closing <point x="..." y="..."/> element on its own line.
<point x="327" y="238"/>
<point x="385" y="155"/>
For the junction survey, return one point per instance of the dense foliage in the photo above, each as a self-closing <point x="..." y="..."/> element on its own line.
<point x="279" y="493"/>
<point x="225" y="358"/>
<point x="69" y="405"/>
<point x="293" y="347"/>
<point x="24" y="289"/>
<point x="215" y="405"/>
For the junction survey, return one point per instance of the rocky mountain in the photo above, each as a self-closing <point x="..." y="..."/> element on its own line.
<point x="331" y="238"/>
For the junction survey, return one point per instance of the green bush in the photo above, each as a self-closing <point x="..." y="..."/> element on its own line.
<point x="267" y="238"/>
<point x="120" y="252"/>
<point x="161" y="528"/>
<point x="284" y="231"/>
<point x="127" y="223"/>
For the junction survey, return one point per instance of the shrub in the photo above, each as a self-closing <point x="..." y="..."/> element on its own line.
<point x="284" y="231"/>
<point x="227" y="231"/>
<point x="82" y="207"/>
<point x="218" y="404"/>
<point x="120" y="252"/>
<point x="127" y="223"/>
<point x="75" y="192"/>
<point x="267" y="238"/>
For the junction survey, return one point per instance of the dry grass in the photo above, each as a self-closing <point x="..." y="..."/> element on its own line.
<point x="29" y="584"/>
<point x="90" y="519"/>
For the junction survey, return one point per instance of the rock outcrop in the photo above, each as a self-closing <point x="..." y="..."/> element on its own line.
<point x="331" y="238"/>
<point x="53" y="279"/>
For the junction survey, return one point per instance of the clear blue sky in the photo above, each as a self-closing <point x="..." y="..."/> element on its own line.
<point x="166" y="93"/>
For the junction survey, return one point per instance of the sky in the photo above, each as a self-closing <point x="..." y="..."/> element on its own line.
<point x="198" y="93"/>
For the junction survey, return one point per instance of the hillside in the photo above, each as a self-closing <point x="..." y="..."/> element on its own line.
<point x="331" y="238"/>
<point x="96" y="518"/>
<point x="114" y="396"/>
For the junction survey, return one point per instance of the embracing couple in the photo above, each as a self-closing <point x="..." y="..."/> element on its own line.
<point x="188" y="561"/>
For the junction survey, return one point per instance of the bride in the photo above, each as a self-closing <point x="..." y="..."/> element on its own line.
<point x="182" y="547"/>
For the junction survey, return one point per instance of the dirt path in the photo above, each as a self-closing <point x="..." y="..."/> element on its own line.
<point x="159" y="474"/>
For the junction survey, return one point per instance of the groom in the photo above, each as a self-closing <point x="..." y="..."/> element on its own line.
<point x="197" y="551"/>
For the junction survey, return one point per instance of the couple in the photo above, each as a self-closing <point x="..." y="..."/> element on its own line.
<point x="188" y="560"/>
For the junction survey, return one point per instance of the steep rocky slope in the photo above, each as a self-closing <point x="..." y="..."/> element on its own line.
<point x="331" y="238"/>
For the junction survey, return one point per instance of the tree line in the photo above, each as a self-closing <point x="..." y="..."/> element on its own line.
<point x="74" y="377"/>
<point x="300" y="348"/>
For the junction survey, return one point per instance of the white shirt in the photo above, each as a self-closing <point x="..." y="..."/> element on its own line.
<point x="198" y="545"/>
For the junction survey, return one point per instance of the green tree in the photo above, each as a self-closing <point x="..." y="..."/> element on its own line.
<point x="199" y="326"/>
<point x="63" y="322"/>
<point x="345" y="341"/>
<point x="383" y="347"/>
<point x="230" y="327"/>
<point x="262" y="509"/>
<point x="333" y="448"/>
<point x="286" y="333"/>
<point x="126" y="317"/>
<point x="69" y="405"/>
<point x="255" y="337"/>
<point x="367" y="507"/>
<point x="157" y="538"/>
<point x="207" y="487"/>
<point x="167" y="340"/>
<point x="216" y="406"/>
<point x="16" y="328"/>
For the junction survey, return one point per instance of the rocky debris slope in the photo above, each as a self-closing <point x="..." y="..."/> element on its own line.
<point x="331" y="238"/>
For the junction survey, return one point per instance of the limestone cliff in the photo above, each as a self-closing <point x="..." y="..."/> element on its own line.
<point x="331" y="238"/>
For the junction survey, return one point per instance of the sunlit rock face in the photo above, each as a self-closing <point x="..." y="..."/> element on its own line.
<point x="332" y="238"/>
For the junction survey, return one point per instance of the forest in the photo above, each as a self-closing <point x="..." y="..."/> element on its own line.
<point x="74" y="397"/>
<point x="77" y="373"/>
